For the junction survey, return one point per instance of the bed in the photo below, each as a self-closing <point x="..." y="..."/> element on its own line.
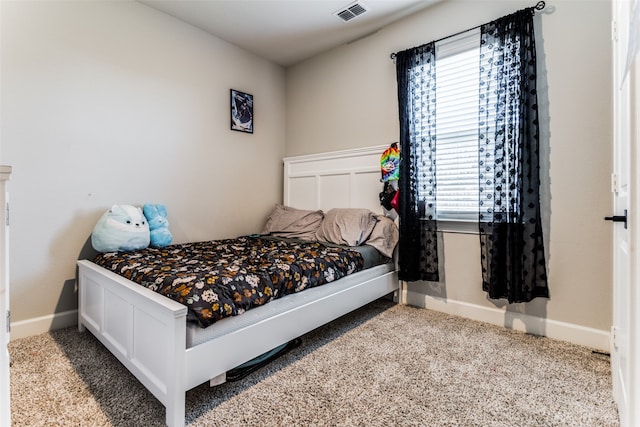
<point x="149" y="332"/>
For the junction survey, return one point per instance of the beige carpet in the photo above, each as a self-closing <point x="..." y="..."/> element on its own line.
<point x="383" y="365"/>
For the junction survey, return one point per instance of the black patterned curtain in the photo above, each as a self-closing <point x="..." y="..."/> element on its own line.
<point x="417" y="249"/>
<point x="512" y="249"/>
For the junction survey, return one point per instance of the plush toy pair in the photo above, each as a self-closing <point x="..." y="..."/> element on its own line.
<point x="128" y="228"/>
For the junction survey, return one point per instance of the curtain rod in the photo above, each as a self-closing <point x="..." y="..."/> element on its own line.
<point x="539" y="6"/>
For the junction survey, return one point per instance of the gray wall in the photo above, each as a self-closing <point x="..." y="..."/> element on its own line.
<point x="346" y="98"/>
<point x="115" y="103"/>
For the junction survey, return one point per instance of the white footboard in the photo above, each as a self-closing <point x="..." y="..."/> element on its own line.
<point x="143" y="329"/>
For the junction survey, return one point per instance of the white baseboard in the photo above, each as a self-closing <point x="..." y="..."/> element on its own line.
<point x="576" y="334"/>
<point x="581" y="335"/>
<point x="40" y="325"/>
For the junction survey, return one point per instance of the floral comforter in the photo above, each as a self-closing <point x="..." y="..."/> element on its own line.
<point x="223" y="278"/>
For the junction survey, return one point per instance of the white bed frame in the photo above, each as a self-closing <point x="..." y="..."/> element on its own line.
<point x="146" y="331"/>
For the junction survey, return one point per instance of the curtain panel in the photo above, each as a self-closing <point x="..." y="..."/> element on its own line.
<point x="510" y="229"/>
<point x="511" y="240"/>
<point x="418" y="245"/>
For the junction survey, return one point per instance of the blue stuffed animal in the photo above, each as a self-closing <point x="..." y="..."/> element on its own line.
<point x="158" y="224"/>
<point x="121" y="228"/>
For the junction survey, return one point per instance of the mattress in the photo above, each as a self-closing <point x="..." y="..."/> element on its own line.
<point x="197" y="335"/>
<point x="226" y="278"/>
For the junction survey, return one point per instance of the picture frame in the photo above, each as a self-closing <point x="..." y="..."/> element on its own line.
<point x="241" y="111"/>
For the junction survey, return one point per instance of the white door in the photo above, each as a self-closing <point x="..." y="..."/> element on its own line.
<point x="626" y="240"/>
<point x="5" y="407"/>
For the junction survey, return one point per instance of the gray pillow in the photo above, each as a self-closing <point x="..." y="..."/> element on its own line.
<point x="347" y="226"/>
<point x="384" y="236"/>
<point x="285" y="221"/>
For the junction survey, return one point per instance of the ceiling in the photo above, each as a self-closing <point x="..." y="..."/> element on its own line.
<point x="287" y="31"/>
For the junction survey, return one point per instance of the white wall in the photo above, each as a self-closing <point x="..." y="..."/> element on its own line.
<point x="113" y="102"/>
<point x="346" y="98"/>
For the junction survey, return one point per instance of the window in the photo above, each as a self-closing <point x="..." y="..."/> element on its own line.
<point x="456" y="127"/>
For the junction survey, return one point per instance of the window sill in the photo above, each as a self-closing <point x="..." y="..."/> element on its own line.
<point x="458" y="226"/>
<point x="462" y="226"/>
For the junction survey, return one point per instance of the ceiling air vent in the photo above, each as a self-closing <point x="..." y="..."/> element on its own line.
<point x="352" y="11"/>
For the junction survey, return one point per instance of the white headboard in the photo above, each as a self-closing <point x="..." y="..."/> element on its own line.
<point x="337" y="179"/>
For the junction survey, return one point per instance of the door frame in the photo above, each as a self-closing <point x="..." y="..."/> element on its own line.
<point x="634" y="291"/>
<point x="5" y="395"/>
<point x="625" y="338"/>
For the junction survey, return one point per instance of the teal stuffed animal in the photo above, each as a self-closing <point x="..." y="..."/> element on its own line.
<point x="158" y="224"/>
<point x="121" y="228"/>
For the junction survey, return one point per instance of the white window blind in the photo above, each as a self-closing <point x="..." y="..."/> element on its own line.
<point x="457" y="89"/>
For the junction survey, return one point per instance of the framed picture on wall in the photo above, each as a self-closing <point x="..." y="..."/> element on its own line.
<point x="241" y="111"/>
